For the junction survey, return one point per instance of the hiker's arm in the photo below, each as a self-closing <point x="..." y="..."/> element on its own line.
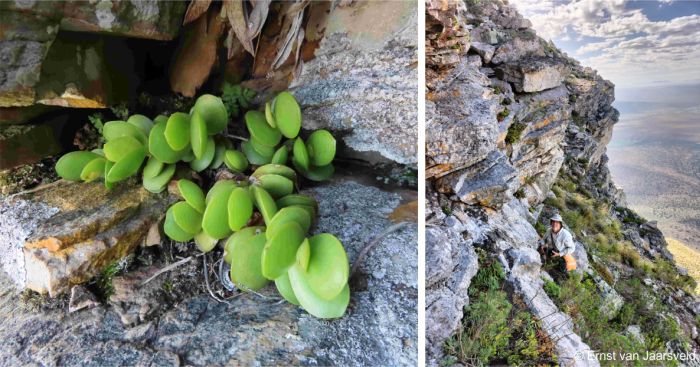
<point x="569" y="245"/>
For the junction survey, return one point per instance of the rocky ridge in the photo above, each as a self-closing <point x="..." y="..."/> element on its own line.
<point x="517" y="130"/>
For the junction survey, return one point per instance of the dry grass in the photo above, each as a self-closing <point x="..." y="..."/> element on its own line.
<point x="686" y="257"/>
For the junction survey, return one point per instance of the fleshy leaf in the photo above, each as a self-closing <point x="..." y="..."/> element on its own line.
<point x="127" y="166"/>
<point x="246" y="257"/>
<point x="280" y="251"/>
<point x="287" y="115"/>
<point x="160" y="182"/>
<point x="240" y="208"/>
<point x="71" y="165"/>
<point x="198" y="135"/>
<point x="235" y="160"/>
<point x="115" y="150"/>
<point x="174" y="231"/>
<point x="177" y="131"/>
<point x="264" y="202"/>
<point x="192" y="194"/>
<point x="260" y="130"/>
<point x="311" y="302"/>
<point x="159" y="148"/>
<point x="321" y="147"/>
<point x="215" y="221"/>
<point x="285" y="288"/>
<point x="213" y="111"/>
<point x="301" y="155"/>
<point x="289" y="214"/>
<point x="199" y="165"/>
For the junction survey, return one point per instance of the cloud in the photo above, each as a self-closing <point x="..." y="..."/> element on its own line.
<point x="623" y="44"/>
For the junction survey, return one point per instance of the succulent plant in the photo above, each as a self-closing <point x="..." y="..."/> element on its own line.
<point x="264" y="222"/>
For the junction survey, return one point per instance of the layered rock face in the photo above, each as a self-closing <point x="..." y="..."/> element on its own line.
<point x="507" y="116"/>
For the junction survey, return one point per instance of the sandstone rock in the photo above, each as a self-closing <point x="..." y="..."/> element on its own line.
<point x="30" y="28"/>
<point x="484" y="50"/>
<point x="23" y="144"/>
<point x="451" y="262"/>
<point x="461" y="119"/>
<point x="517" y="49"/>
<point x="378" y="329"/>
<point x="447" y="37"/>
<point x="81" y="298"/>
<point x="611" y="301"/>
<point x="533" y="75"/>
<point x="150" y="19"/>
<point x="67" y="232"/>
<point x="362" y="82"/>
<point x="486" y="183"/>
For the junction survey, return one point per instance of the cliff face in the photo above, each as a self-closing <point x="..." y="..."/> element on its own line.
<point x="515" y="131"/>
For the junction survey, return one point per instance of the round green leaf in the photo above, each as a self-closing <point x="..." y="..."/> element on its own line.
<point x="215" y="221"/>
<point x="160" y="182"/>
<point x="240" y="208"/>
<point x="260" y="130"/>
<point x="153" y="167"/>
<point x="280" y="251"/>
<point x="108" y="166"/>
<point x="220" y="186"/>
<point x="177" y="131"/>
<point x="159" y="119"/>
<point x="120" y="147"/>
<point x="127" y="166"/>
<point x="287" y="115"/>
<point x="187" y="218"/>
<point x="304" y="254"/>
<point x="253" y="156"/>
<point x="241" y="238"/>
<point x="192" y="194"/>
<point x="219" y="154"/>
<point x="280" y="156"/>
<point x="264" y="202"/>
<point x="301" y="155"/>
<point x="204" y="242"/>
<point x="328" y="268"/>
<point x="198" y="135"/>
<point x="311" y="302"/>
<point x="93" y="170"/>
<point x="276" y="185"/>
<point x="117" y="129"/>
<point x="321" y="147"/>
<point x="143" y="123"/>
<point x="269" y="116"/>
<point x="159" y="147"/>
<point x="235" y="160"/>
<point x="316" y="173"/>
<point x="213" y="111"/>
<point x="308" y="209"/>
<point x="297" y="199"/>
<point x="289" y="214"/>
<point x="174" y="231"/>
<point x="199" y="165"/>
<point x="262" y="149"/>
<point x="275" y="169"/>
<point x="71" y="165"/>
<point x="285" y="288"/>
<point x="246" y="269"/>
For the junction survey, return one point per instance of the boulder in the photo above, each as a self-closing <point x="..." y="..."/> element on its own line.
<point x="379" y="328"/>
<point x="518" y="48"/>
<point x="30" y="28"/>
<point x="484" y="50"/>
<point x="362" y="83"/>
<point x="450" y="264"/>
<point x="461" y="120"/>
<point x="486" y="183"/>
<point x="533" y="74"/>
<point x="66" y="233"/>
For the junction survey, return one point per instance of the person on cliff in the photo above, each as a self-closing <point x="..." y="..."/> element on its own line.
<point x="557" y="244"/>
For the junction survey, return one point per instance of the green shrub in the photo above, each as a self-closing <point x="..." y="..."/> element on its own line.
<point x="514" y="132"/>
<point x="520" y="193"/>
<point x="552" y="289"/>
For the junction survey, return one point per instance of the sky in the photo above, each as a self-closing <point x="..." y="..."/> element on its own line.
<point x="632" y="43"/>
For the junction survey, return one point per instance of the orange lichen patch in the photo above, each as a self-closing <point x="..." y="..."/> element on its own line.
<point x="543" y="123"/>
<point x="438" y="170"/>
<point x="52" y="244"/>
<point x="405" y="213"/>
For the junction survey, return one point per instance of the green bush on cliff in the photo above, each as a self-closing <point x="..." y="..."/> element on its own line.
<point x="497" y="330"/>
<point x="255" y="206"/>
<point x="515" y="130"/>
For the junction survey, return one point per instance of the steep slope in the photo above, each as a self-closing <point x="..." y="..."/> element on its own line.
<point x="516" y="131"/>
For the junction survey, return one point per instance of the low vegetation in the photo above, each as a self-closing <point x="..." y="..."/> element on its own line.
<point x="496" y="329"/>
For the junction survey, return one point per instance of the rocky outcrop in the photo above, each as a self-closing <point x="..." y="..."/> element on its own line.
<point x="507" y="118"/>
<point x="30" y="28"/>
<point x="66" y="233"/>
<point x="379" y="328"/>
<point x="362" y="82"/>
